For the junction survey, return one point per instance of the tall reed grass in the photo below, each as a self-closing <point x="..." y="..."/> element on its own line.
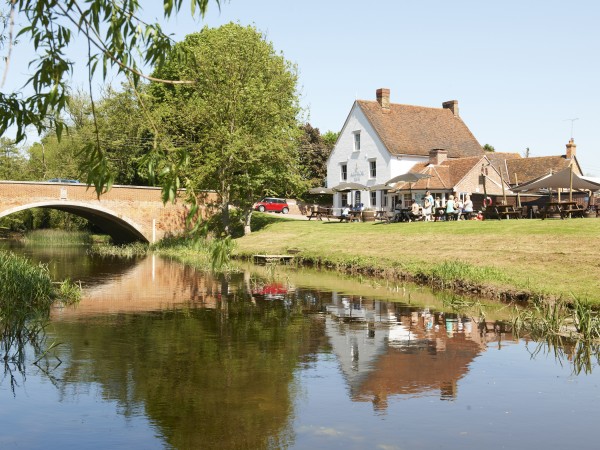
<point x="203" y="253"/>
<point x="544" y="319"/>
<point x="26" y="294"/>
<point x="132" y="250"/>
<point x="53" y="237"/>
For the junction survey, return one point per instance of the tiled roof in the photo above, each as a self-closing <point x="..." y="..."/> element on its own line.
<point x="498" y="161"/>
<point x="443" y="176"/>
<point x="527" y="169"/>
<point x="415" y="130"/>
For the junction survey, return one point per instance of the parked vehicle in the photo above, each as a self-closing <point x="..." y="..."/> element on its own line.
<point x="62" y="180"/>
<point x="272" y="204"/>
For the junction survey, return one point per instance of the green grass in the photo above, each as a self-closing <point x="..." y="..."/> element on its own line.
<point x="512" y="258"/>
<point x="53" y="237"/>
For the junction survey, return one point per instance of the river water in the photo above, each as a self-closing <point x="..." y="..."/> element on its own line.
<point x="158" y="355"/>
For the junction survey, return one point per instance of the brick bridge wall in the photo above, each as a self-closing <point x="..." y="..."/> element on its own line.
<point x="134" y="208"/>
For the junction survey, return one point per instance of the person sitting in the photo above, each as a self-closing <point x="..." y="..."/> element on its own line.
<point x="450" y="211"/>
<point x="398" y="212"/>
<point x="427" y="207"/>
<point x="468" y="207"/>
<point x="415" y="211"/>
<point x="458" y="207"/>
<point x="345" y="214"/>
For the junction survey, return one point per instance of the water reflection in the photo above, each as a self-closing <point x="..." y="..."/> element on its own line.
<point x="221" y="362"/>
<point x="391" y="349"/>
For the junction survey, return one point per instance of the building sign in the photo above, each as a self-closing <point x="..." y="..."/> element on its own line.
<point x="357" y="174"/>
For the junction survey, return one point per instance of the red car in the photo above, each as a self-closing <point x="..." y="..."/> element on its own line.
<point x="272" y="204"/>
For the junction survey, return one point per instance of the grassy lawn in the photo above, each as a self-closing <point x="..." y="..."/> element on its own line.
<point x="553" y="258"/>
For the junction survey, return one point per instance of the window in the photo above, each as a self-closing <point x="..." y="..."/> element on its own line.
<point x="356" y="141"/>
<point x="344" y="199"/>
<point x="344" y="172"/>
<point x="373" y="168"/>
<point x="373" y="199"/>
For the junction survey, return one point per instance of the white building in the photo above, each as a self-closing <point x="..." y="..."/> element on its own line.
<point x="381" y="140"/>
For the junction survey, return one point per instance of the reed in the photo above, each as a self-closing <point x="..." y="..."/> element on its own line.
<point x="53" y="237"/>
<point x="132" y="250"/>
<point x="26" y="294"/>
<point x="203" y="253"/>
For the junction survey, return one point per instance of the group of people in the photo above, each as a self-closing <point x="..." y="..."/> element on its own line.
<point x="454" y="209"/>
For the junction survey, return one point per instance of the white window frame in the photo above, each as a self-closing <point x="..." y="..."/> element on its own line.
<point x="356" y="144"/>
<point x="344" y="173"/>
<point x="372" y="168"/>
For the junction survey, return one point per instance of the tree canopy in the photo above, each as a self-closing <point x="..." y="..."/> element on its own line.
<point x="234" y="129"/>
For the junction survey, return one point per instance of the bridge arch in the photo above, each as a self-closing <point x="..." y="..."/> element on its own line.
<point x="121" y="229"/>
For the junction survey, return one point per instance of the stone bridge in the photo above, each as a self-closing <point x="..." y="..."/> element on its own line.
<point x="126" y="213"/>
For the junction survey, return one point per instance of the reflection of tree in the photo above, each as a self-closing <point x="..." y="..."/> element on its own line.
<point x="206" y="377"/>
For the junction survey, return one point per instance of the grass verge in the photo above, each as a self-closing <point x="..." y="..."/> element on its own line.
<point x="510" y="259"/>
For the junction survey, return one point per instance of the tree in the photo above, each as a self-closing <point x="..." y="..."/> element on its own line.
<point x="314" y="151"/>
<point x="116" y="38"/>
<point x="234" y="130"/>
<point x="117" y="127"/>
<point x="488" y="148"/>
<point x="11" y="160"/>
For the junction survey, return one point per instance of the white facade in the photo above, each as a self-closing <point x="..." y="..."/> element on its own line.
<point x="358" y="155"/>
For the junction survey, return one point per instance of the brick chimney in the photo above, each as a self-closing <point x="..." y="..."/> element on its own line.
<point x="383" y="98"/>
<point x="437" y="156"/>
<point x="452" y="105"/>
<point x="571" y="149"/>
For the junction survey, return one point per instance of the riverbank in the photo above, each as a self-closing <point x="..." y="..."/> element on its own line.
<point x="509" y="259"/>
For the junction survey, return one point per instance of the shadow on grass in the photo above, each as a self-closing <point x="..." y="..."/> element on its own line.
<point x="261" y="220"/>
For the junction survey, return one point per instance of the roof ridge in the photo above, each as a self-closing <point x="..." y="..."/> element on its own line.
<point x="406" y="104"/>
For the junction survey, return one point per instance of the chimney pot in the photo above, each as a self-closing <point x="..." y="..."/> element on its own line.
<point x="452" y="105"/>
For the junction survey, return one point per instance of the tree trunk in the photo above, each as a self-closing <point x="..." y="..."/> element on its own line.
<point x="248" y="217"/>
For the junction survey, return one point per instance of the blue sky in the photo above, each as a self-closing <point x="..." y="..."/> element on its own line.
<point x="520" y="70"/>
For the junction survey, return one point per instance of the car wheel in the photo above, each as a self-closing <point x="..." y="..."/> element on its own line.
<point x="261" y="208"/>
<point x="284" y="210"/>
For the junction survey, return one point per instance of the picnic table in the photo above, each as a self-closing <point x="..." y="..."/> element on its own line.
<point x="563" y="209"/>
<point x="384" y="216"/>
<point x="507" y="212"/>
<point x="318" y="212"/>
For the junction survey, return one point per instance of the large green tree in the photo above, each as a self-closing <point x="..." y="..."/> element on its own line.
<point x="314" y="152"/>
<point x="234" y="130"/>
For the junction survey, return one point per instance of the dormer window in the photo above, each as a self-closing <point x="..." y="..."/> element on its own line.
<point x="357" y="141"/>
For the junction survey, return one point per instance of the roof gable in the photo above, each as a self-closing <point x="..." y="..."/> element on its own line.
<point x="415" y="130"/>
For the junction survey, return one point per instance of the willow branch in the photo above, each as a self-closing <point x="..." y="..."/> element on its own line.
<point x="98" y="44"/>
<point x="10" y="40"/>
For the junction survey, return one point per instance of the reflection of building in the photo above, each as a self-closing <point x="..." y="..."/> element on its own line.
<point x="393" y="350"/>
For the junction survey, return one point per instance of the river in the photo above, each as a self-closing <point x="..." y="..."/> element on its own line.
<point x="158" y="355"/>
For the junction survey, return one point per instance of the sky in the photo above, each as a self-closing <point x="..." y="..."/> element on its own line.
<point x="526" y="73"/>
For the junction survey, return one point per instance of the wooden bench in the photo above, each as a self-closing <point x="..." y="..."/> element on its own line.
<point x="571" y="212"/>
<point x="507" y="212"/>
<point x="320" y="212"/>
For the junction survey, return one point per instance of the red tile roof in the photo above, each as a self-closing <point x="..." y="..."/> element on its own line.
<point x="444" y="176"/>
<point x="415" y="130"/>
<point x="527" y="169"/>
